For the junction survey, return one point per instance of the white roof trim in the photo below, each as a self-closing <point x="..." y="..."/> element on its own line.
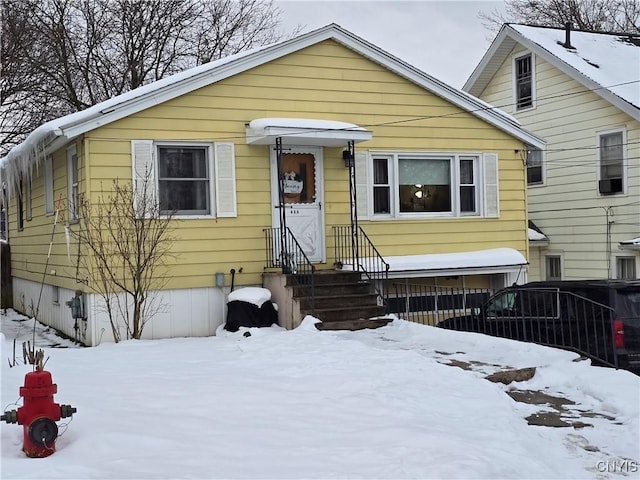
<point x="503" y="41"/>
<point x="304" y="131"/>
<point x="155" y="93"/>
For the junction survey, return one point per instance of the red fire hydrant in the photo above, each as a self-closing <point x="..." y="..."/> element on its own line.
<point x="39" y="414"/>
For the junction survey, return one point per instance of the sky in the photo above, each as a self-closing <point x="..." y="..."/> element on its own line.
<point x="444" y="38"/>
<point x="275" y="404"/>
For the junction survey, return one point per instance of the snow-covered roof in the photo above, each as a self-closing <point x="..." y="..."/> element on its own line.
<point x="491" y="260"/>
<point x="608" y="64"/>
<point x="308" y="131"/>
<point x="535" y="236"/>
<point x="633" y="243"/>
<point x="55" y="134"/>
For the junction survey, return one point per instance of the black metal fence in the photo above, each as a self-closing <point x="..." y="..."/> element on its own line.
<point x="429" y="304"/>
<point x="545" y="316"/>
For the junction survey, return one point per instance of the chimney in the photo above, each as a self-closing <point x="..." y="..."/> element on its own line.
<point x="567" y="35"/>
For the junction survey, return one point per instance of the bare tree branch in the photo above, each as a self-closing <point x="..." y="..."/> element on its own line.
<point x="62" y="56"/>
<point x="124" y="246"/>
<point x="619" y="16"/>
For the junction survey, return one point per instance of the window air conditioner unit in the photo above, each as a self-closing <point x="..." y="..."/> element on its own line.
<point x="609" y="186"/>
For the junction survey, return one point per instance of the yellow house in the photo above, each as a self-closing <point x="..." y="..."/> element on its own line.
<point x="323" y="138"/>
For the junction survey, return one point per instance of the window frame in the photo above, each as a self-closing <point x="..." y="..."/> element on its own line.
<point x="4" y="219"/>
<point x="599" y="135"/>
<point x="620" y="269"/>
<point x="73" y="184"/>
<point x="393" y="162"/>
<point x="389" y="184"/>
<point x="20" y="204"/>
<point x="528" y="150"/>
<point x="547" y="258"/>
<point x="210" y="165"/>
<point x="28" y="210"/>
<point x="532" y="59"/>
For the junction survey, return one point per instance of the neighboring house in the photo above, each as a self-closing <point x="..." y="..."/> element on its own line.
<point x="435" y="172"/>
<point x="580" y="91"/>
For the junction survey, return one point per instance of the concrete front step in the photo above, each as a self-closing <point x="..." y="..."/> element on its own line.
<point x="337" y="313"/>
<point x="357" y="324"/>
<point x="337" y="289"/>
<point x="324" y="277"/>
<point x="339" y="301"/>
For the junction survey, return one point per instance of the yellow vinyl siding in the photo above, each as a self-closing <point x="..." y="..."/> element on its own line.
<point x="325" y="81"/>
<point x="29" y="247"/>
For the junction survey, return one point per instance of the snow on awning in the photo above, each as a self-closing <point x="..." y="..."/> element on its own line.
<point x="632" y="244"/>
<point x="496" y="260"/>
<point x="304" y="131"/>
<point x="535" y="236"/>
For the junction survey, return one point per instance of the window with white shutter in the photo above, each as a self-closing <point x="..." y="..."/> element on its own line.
<point x="186" y="179"/>
<point x="225" y="173"/>
<point x="491" y="190"/>
<point x="428" y="185"/>
<point x="362" y="196"/>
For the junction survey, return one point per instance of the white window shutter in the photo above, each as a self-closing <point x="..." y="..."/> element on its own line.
<point x="362" y="185"/>
<point x="143" y="177"/>
<point x="225" y="172"/>
<point x="491" y="192"/>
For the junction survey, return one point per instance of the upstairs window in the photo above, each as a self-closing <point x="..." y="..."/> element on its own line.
<point x="523" y="81"/>
<point x="534" y="166"/>
<point x="611" y="162"/>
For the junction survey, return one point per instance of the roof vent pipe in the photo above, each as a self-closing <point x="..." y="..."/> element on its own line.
<point x="567" y="35"/>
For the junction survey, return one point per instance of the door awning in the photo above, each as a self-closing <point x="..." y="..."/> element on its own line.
<point x="304" y="131"/>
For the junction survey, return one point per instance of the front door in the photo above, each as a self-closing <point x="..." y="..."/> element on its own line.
<point x="303" y="196"/>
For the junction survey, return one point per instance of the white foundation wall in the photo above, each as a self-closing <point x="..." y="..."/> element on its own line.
<point x="54" y="313"/>
<point x="189" y="312"/>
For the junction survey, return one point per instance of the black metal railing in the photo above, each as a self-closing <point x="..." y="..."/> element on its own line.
<point x="354" y="250"/>
<point x="544" y="316"/>
<point x="285" y="253"/>
<point x="430" y="304"/>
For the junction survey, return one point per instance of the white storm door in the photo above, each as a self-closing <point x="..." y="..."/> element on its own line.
<point x="303" y="197"/>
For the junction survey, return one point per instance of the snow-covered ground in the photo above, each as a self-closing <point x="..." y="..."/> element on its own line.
<point x="308" y="404"/>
